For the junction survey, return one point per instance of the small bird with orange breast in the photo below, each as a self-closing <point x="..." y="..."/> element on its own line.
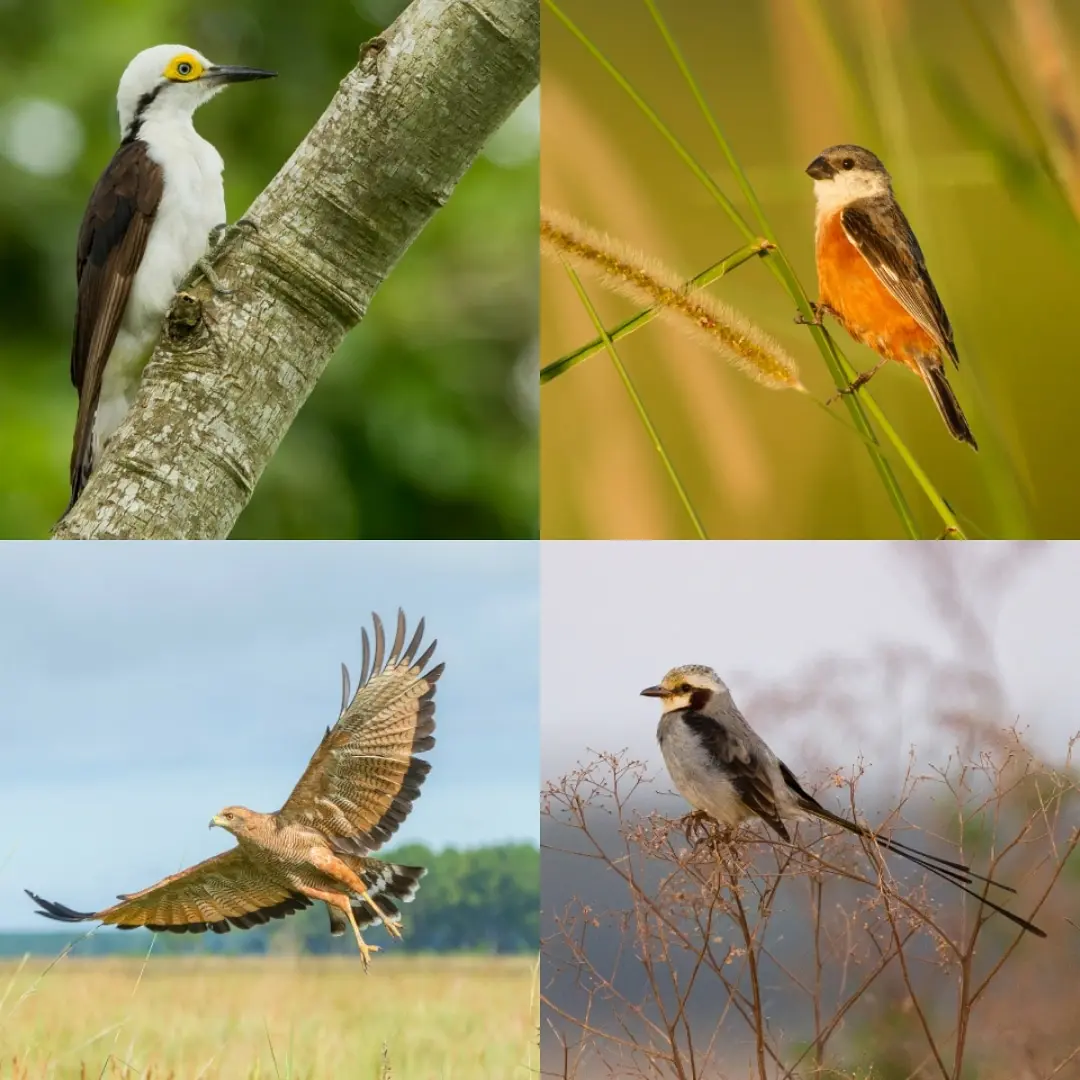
<point x="872" y="277"/>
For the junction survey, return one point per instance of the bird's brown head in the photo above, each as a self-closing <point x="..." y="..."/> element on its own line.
<point x="236" y="819"/>
<point x="690" y="686"/>
<point x="847" y="172"/>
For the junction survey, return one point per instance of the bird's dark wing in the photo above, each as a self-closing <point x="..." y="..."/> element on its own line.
<point x="878" y="228"/>
<point x="742" y="766"/>
<point x="221" y="892"/>
<point x="361" y="781"/>
<point x="112" y="241"/>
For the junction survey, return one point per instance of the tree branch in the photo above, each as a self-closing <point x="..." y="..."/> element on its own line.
<point x="231" y="372"/>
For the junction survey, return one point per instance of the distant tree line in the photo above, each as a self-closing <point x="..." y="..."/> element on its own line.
<point x="481" y="900"/>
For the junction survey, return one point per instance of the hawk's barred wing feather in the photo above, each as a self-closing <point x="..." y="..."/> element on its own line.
<point x="217" y="894"/>
<point x="362" y="780"/>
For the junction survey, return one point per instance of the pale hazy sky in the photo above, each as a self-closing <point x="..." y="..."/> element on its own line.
<point x="145" y="686"/>
<point x="617" y="616"/>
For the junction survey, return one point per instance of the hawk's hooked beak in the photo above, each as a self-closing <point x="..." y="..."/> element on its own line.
<point x="820" y="169"/>
<point x="654" y="691"/>
<point x="216" y="820"/>
<point x="228" y="73"/>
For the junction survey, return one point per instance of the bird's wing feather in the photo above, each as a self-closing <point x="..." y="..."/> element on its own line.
<point x="221" y="892"/>
<point x="361" y="781"/>
<point x="112" y="242"/>
<point x="743" y="766"/>
<point x="897" y="261"/>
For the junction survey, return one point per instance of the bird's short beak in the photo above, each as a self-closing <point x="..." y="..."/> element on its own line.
<point x="226" y="73"/>
<point x="216" y="820"/>
<point x="820" y="169"/>
<point x="654" y="691"/>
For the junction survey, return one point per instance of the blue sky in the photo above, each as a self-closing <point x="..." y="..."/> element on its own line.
<point x="145" y="686"/>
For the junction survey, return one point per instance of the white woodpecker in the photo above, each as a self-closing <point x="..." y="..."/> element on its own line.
<point x="150" y="219"/>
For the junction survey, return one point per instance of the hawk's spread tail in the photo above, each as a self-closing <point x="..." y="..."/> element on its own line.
<point x="933" y="374"/>
<point x="385" y="882"/>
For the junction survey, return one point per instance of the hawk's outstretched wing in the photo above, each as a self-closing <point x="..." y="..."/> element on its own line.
<point x="361" y="782"/>
<point x="221" y="892"/>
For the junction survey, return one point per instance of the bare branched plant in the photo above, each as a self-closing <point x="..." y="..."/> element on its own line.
<point x="742" y="955"/>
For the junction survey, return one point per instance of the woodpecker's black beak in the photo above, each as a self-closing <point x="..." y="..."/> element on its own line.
<point x="820" y="169"/>
<point x="654" y="691"/>
<point x="227" y="73"/>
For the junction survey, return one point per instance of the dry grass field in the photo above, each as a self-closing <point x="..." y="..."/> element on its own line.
<point x="240" y="1019"/>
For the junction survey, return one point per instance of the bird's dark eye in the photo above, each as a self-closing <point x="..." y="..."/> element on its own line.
<point x="685" y="688"/>
<point x="847" y="163"/>
<point x="183" y="69"/>
<point x="228" y="817"/>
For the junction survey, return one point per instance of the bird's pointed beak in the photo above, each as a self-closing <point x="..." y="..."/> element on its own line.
<point x="216" y="820"/>
<point x="819" y="169"/>
<point x="654" y="691"/>
<point x="230" y="74"/>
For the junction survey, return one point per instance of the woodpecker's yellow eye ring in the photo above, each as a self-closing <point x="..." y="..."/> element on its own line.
<point x="183" y="68"/>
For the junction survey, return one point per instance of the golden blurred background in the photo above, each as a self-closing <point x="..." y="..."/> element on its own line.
<point x="973" y="106"/>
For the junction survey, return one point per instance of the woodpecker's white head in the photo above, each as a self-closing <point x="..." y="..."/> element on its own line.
<point x="845" y="173"/>
<point x="688" y="687"/>
<point x="172" y="80"/>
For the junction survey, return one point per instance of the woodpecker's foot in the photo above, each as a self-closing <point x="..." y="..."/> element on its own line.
<point x="219" y="234"/>
<point x="859" y="382"/>
<point x="215" y="282"/>
<point x="218" y="237"/>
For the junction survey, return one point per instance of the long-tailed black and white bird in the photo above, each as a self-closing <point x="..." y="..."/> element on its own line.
<point x="148" y="222"/>
<point x="724" y="769"/>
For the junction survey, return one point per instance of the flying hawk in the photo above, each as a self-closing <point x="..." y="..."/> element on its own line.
<point x="356" y="791"/>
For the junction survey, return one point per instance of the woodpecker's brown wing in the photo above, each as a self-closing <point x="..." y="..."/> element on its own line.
<point x="362" y="780"/>
<point x="221" y="892"/>
<point x="880" y="231"/>
<point x="112" y="242"/>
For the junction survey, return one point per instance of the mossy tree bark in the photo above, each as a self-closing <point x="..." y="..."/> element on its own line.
<point x="231" y="371"/>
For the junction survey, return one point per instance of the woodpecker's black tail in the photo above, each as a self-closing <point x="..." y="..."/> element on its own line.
<point x="933" y="374"/>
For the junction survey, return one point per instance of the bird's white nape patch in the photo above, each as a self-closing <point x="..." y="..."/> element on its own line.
<point x="845" y="187"/>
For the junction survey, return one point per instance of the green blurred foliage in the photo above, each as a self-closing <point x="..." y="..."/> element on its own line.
<point x="972" y="143"/>
<point x="424" y="423"/>
<point x="475" y="900"/>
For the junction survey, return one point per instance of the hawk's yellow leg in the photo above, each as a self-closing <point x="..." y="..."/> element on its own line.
<point x="391" y="927"/>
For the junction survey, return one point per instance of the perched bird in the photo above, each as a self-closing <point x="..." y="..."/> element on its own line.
<point x="148" y="222"/>
<point x="357" y="789"/>
<point x="724" y="769"/>
<point x="872" y="277"/>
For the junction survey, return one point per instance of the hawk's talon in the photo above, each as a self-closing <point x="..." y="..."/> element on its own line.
<point x="365" y="951"/>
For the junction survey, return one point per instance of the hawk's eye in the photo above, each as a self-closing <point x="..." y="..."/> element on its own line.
<point x="847" y="163"/>
<point x="183" y="69"/>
